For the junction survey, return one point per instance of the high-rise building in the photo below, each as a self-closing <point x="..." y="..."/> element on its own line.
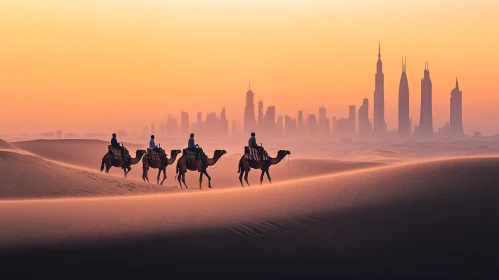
<point x="289" y="126"/>
<point x="249" y="112"/>
<point x="312" y="125"/>
<point x="456" y="112"/>
<point x="365" y="125"/>
<point x="379" y="97"/>
<point x="323" y="129"/>
<point x="171" y="125"/>
<point x="270" y="119"/>
<point x="184" y="122"/>
<point x="425" y="128"/>
<point x="334" y="126"/>
<point x="260" y="115"/>
<point x="404" y="123"/>
<point x="280" y="125"/>
<point x="301" y="122"/>
<point x="351" y="117"/>
<point x="224" y="123"/>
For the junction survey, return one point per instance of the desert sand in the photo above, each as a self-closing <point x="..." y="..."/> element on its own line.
<point x="88" y="154"/>
<point x="24" y="175"/>
<point x="425" y="220"/>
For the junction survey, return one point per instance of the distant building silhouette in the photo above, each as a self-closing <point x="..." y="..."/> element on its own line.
<point x="312" y="125"/>
<point x="379" y="97"/>
<point x="171" y="125"/>
<point x="365" y="125"/>
<point x="280" y="126"/>
<point x="456" y="112"/>
<point x="426" y="117"/>
<point x="324" y="126"/>
<point x="334" y="127"/>
<point x="444" y="132"/>
<point x="58" y="134"/>
<point x="145" y="131"/>
<point x="270" y="121"/>
<point x="184" y="123"/>
<point x="404" y="123"/>
<point x="249" y="112"/>
<point x="199" y="118"/>
<point x="235" y="129"/>
<point x="347" y="126"/>
<point x="290" y="126"/>
<point x="224" y="123"/>
<point x="260" y="115"/>
<point x="300" y="123"/>
<point x="351" y="115"/>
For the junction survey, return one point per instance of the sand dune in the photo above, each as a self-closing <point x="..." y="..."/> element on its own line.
<point x="430" y="220"/>
<point x="30" y="176"/>
<point x="88" y="154"/>
<point x="4" y="145"/>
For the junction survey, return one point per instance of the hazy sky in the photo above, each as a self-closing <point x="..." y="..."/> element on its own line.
<point x="99" y="65"/>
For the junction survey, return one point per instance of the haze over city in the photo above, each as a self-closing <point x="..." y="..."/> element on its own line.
<point x="137" y="62"/>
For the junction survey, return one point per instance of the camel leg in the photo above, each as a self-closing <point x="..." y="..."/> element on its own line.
<point x="183" y="180"/>
<point x="164" y="175"/>
<point x="268" y="176"/>
<point x="241" y="178"/>
<point x="261" y="177"/>
<point x="246" y="172"/>
<point x="209" y="178"/>
<point x="159" y="175"/>
<point x="200" y="178"/>
<point x="107" y="168"/>
<point x="179" y="177"/>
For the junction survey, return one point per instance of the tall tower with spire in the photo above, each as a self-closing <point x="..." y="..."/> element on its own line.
<point x="456" y="112"/>
<point x="379" y="97"/>
<point x="249" y="111"/>
<point x="404" y="123"/>
<point x="426" y="117"/>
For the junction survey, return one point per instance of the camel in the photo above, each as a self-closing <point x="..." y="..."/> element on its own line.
<point x="109" y="161"/>
<point x="183" y="165"/>
<point x="147" y="163"/>
<point x="245" y="166"/>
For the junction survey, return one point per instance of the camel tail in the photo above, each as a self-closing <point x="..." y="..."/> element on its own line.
<point x="102" y="164"/>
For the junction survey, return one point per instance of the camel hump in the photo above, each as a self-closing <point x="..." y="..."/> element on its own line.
<point x="154" y="155"/>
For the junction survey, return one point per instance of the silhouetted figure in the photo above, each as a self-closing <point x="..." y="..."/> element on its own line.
<point x="115" y="144"/>
<point x="252" y="144"/>
<point x="154" y="147"/>
<point x="192" y="146"/>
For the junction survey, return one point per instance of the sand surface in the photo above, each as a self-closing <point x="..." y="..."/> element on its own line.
<point x="25" y="175"/>
<point x="89" y="153"/>
<point x="435" y="220"/>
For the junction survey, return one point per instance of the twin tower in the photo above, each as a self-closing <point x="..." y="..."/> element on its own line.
<point x="425" y="127"/>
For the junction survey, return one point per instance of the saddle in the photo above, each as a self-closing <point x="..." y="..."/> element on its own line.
<point x="257" y="154"/>
<point x="153" y="155"/>
<point x="116" y="153"/>
<point x="191" y="155"/>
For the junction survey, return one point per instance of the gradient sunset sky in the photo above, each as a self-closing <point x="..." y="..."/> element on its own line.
<point x="100" y="65"/>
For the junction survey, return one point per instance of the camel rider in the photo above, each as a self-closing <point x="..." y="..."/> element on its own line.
<point x="116" y="145"/>
<point x="252" y="143"/>
<point x="153" y="147"/>
<point x="192" y="146"/>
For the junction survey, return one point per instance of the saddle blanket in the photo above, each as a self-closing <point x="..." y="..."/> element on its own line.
<point x="153" y="155"/>
<point x="191" y="155"/>
<point x="117" y="152"/>
<point x="253" y="154"/>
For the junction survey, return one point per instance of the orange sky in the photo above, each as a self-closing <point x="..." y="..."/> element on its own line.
<point x="101" y="65"/>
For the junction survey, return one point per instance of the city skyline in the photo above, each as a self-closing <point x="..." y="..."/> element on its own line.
<point x="169" y="55"/>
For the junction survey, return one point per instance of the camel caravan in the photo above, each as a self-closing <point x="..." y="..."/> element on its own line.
<point x="193" y="158"/>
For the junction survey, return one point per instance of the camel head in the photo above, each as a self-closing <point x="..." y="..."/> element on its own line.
<point x="175" y="152"/>
<point x="140" y="153"/>
<point x="283" y="153"/>
<point x="220" y="153"/>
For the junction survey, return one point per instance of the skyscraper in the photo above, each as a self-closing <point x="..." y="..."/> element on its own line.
<point x="184" y="122"/>
<point x="351" y="117"/>
<point x="404" y="124"/>
<point x="300" y="122"/>
<point x="365" y="125"/>
<point x="224" y="123"/>
<point x="425" y="128"/>
<point x="260" y="115"/>
<point x="379" y="97"/>
<point x="456" y="112"/>
<point x="249" y="112"/>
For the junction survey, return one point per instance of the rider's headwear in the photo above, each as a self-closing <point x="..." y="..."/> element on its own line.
<point x="252" y="134"/>
<point x="114" y="134"/>
<point x="152" y="136"/>
<point x="192" y="135"/>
